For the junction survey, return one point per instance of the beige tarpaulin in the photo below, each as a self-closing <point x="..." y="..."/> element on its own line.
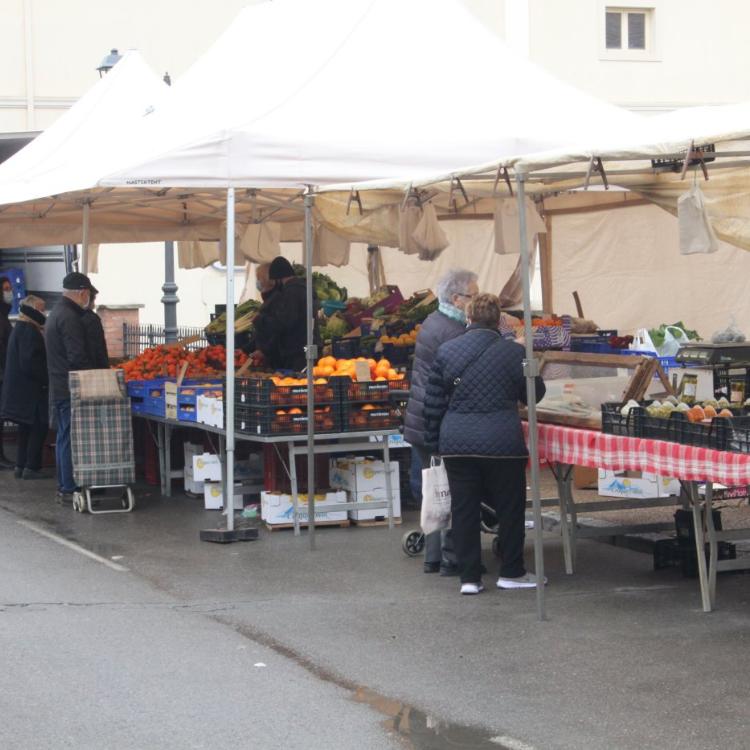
<point x="626" y="266"/>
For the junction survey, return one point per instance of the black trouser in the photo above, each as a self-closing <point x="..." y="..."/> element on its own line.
<point x="30" y="444"/>
<point x="501" y="483"/>
<point x="438" y="546"/>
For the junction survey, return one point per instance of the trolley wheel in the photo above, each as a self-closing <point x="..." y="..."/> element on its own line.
<point x="496" y="547"/>
<point x="79" y="503"/>
<point x="412" y="543"/>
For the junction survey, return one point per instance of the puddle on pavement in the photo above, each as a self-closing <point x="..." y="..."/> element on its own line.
<point x="418" y="731"/>
<point x="415" y="729"/>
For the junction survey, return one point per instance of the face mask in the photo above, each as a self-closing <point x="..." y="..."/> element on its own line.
<point x="259" y="285"/>
<point x="85" y="305"/>
<point x="8" y="298"/>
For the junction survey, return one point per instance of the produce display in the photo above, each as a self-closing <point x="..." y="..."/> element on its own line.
<point x="167" y="360"/>
<point x="244" y="315"/>
<point x="380" y="370"/>
<point x="324" y="287"/>
<point x="704" y="412"/>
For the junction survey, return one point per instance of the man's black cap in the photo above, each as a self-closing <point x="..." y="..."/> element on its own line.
<point x="280" y="268"/>
<point x="75" y="281"/>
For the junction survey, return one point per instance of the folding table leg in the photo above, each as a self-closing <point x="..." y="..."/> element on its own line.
<point x="700" y="546"/>
<point x="713" y="544"/>
<point x="295" y="488"/>
<point x="561" y="473"/>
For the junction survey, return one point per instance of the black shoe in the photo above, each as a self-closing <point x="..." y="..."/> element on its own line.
<point x="34" y="474"/>
<point x="18" y="472"/>
<point x="431" y="567"/>
<point x="448" y="570"/>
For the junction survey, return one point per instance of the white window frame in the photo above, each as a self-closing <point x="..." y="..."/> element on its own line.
<point x="651" y="53"/>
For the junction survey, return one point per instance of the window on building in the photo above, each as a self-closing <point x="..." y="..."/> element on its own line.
<point x="628" y="28"/>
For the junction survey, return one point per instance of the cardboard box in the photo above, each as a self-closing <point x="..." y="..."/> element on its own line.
<point x="636" y="484"/>
<point x="372" y="497"/>
<point x="213" y="497"/>
<point x="276" y="507"/>
<point x="190" y="484"/>
<point x="207" y="468"/>
<point x="209" y="410"/>
<point x="362" y="474"/>
<point x="585" y="477"/>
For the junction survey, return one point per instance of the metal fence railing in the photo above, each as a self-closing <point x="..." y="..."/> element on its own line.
<point x="135" y="339"/>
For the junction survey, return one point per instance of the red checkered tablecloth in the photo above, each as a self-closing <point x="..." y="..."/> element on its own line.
<point x="570" y="445"/>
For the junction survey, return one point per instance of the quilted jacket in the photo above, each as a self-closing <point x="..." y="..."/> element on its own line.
<point x="436" y="330"/>
<point x="471" y="404"/>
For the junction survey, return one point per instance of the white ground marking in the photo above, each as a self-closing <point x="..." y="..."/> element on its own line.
<point x="72" y="545"/>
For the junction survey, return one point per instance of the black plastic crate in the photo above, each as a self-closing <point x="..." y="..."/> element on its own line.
<point x="346" y="348"/>
<point x="614" y="423"/>
<point x="359" y="418"/>
<point x="398" y="355"/>
<point x="679" y="429"/>
<point x="256" y="391"/>
<point x="277" y="420"/>
<point x="371" y="390"/>
<point x="725" y="376"/>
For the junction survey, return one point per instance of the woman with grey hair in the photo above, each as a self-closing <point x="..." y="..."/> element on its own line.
<point x="25" y="395"/>
<point x="454" y="290"/>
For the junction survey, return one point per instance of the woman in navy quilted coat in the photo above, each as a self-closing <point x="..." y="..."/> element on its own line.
<point x="472" y="421"/>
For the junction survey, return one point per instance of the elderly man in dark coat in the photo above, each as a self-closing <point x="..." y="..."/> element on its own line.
<point x="24" y="395"/>
<point x="454" y="290"/>
<point x="67" y="350"/>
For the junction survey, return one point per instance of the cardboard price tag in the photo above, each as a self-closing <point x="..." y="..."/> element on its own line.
<point x="362" y="369"/>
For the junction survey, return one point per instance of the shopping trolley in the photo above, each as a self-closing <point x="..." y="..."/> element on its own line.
<point x="101" y="438"/>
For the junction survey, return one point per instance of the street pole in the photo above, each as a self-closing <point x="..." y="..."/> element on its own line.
<point x="170" y="298"/>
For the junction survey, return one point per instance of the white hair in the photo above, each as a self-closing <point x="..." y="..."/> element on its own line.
<point x="455" y="281"/>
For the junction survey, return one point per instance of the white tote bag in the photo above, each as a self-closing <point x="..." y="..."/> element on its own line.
<point x="436" y="498"/>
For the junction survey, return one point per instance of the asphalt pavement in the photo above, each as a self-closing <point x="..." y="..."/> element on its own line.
<point x="165" y="652"/>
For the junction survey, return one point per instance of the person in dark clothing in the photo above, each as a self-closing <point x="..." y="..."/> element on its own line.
<point x="67" y="350"/>
<point x="96" y="340"/>
<point x="5" y="330"/>
<point x="281" y="324"/>
<point x="472" y="421"/>
<point x="24" y="395"/>
<point x="454" y="290"/>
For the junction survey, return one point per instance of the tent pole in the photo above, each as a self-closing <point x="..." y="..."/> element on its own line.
<point x="229" y="389"/>
<point x="84" y="259"/>
<point x="531" y="368"/>
<point x="310" y="357"/>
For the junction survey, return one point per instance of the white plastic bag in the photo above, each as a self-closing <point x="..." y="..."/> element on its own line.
<point x="696" y="233"/>
<point x="436" y="498"/>
<point x="429" y="235"/>
<point x="674" y="338"/>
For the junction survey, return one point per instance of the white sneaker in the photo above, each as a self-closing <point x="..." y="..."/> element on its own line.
<point x="526" y="581"/>
<point x="470" y="589"/>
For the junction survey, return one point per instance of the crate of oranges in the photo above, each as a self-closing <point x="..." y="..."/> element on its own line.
<point x="383" y="378"/>
<point x="277" y="420"/>
<point x="282" y="390"/>
<point x="359" y="417"/>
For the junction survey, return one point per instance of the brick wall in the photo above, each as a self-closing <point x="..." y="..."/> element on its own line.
<point x="112" y="321"/>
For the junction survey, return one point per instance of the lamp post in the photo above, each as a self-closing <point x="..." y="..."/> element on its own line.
<point x="170" y="298"/>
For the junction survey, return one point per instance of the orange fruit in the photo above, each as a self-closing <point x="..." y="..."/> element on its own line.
<point x="368" y="407"/>
<point x="295" y="410"/>
<point x="384" y="363"/>
<point x="392" y="374"/>
<point x="380" y="378"/>
<point x="280" y="413"/>
<point x="327" y="362"/>
<point x="326" y="370"/>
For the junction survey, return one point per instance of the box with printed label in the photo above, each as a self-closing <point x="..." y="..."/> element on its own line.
<point x="362" y="474"/>
<point x="195" y="488"/>
<point x="376" y="496"/>
<point x="213" y="497"/>
<point x="636" y="484"/>
<point x="209" y="410"/>
<point x="276" y="508"/>
<point x="207" y="468"/>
